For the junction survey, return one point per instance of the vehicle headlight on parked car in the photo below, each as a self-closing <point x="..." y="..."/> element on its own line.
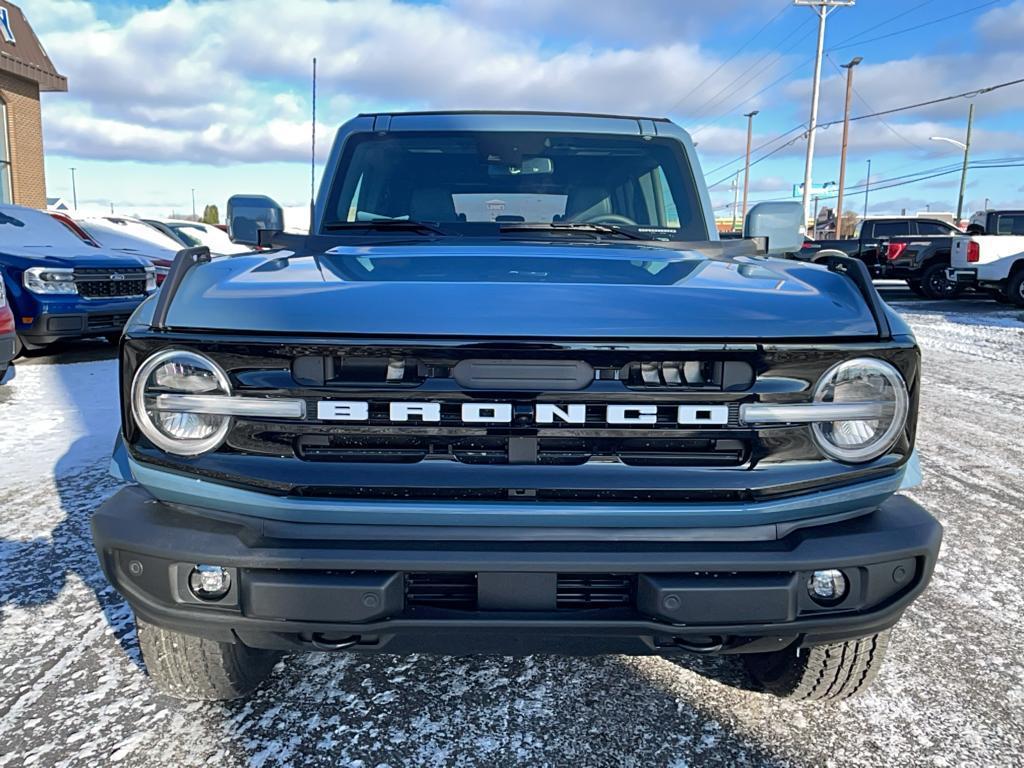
<point x="151" y="281"/>
<point x="862" y="381"/>
<point x="172" y="424"/>
<point x="49" y="280"/>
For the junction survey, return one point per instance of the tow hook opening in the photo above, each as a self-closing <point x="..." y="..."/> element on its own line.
<point x="323" y="642"/>
<point x="705" y="645"/>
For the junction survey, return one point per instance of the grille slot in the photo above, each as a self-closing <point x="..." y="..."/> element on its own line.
<point x="106" y="321"/>
<point x="455" y="591"/>
<point x="103" y="283"/>
<point x="595" y="590"/>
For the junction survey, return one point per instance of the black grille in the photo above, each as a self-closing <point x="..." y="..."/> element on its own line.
<point x="596" y="590"/>
<point x="441" y="590"/>
<point x="101" y="283"/>
<point x="501" y="449"/>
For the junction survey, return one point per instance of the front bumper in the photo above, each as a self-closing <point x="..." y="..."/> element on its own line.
<point x="6" y="350"/>
<point x="73" y="318"/>
<point x="327" y="586"/>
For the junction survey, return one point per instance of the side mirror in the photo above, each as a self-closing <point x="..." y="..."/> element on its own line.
<point x="248" y="214"/>
<point x="781" y="223"/>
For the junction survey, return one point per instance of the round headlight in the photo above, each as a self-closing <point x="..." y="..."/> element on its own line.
<point x="864" y="380"/>
<point x="177" y="372"/>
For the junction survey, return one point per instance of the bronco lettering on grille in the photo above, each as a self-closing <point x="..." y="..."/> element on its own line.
<point x="543" y="413"/>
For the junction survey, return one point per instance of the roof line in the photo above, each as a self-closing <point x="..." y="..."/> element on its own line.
<point x="514" y="112"/>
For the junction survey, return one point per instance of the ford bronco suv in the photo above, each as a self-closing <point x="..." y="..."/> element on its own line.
<point x="512" y="395"/>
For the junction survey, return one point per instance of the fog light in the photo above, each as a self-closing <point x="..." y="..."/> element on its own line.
<point x="827" y="587"/>
<point x="209" y="582"/>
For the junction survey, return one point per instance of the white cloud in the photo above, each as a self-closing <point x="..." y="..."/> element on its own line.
<point x="218" y="82"/>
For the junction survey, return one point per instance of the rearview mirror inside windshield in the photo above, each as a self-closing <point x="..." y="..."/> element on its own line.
<point x="530" y="167"/>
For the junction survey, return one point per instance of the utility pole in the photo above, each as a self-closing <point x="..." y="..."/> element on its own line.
<point x="735" y="197"/>
<point x="963" y="174"/>
<point x="822" y="8"/>
<point x="746" y="168"/>
<point x="193" y="202"/>
<point x="867" y="188"/>
<point x="846" y="135"/>
<point x="74" y="189"/>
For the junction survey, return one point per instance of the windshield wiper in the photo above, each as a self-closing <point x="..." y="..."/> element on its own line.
<point x="571" y="226"/>
<point x="386" y="224"/>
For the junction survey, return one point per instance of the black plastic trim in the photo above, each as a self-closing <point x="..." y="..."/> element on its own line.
<point x="183" y="262"/>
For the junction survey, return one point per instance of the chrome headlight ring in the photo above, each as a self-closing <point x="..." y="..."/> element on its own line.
<point x="148" y="418"/>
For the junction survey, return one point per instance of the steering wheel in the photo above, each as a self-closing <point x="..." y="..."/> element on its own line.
<point x="607" y="218"/>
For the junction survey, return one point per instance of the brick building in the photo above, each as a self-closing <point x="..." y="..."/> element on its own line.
<point x="25" y="71"/>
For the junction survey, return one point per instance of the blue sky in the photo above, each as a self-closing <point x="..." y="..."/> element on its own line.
<point x="169" y="96"/>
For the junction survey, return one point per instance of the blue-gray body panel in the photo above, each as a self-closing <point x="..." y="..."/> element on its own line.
<point x="175" y="488"/>
<point x="534" y="291"/>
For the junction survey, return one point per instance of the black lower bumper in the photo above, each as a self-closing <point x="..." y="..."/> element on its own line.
<point x="48" y="328"/>
<point x="6" y="350"/>
<point x="304" y="586"/>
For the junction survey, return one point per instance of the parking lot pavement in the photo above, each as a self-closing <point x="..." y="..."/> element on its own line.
<point x="951" y="693"/>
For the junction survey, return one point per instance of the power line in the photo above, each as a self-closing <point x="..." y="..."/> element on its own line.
<point x="751" y="78"/>
<point x="914" y="178"/>
<point x="894" y="110"/>
<point x="882" y="23"/>
<point x="863" y="101"/>
<point x="735" y="53"/>
<point x="805" y="61"/>
<point x="916" y="27"/>
<point x="844" y="43"/>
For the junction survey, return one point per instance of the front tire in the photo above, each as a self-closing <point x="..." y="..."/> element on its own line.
<point x="830" y="672"/>
<point x="195" y="668"/>
<point x="936" y="285"/>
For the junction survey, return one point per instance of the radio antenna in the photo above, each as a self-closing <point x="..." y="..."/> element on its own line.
<point x="312" y="156"/>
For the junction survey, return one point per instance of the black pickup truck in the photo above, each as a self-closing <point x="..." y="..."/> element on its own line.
<point x="871" y="238"/>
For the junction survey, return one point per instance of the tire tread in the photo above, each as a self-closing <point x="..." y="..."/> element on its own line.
<point x="189" y="667"/>
<point x="831" y="672"/>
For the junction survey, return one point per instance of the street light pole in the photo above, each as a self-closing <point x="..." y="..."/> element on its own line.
<point x="867" y="188"/>
<point x="846" y="135"/>
<point x="746" y="167"/>
<point x="822" y="8"/>
<point x="966" y="147"/>
<point x="74" y="190"/>
<point x="193" y="202"/>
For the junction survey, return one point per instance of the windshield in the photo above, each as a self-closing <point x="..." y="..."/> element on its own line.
<point x="130" y="235"/>
<point x="463" y="180"/>
<point x="28" y="227"/>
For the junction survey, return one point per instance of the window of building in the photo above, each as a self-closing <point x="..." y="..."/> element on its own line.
<point x="5" y="158"/>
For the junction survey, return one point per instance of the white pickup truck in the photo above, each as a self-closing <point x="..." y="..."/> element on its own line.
<point x="991" y="255"/>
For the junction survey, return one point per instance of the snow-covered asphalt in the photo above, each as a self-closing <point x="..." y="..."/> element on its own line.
<point x="73" y="692"/>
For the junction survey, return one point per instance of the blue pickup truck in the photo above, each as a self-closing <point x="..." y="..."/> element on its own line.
<point x="61" y="287"/>
<point x="512" y="395"/>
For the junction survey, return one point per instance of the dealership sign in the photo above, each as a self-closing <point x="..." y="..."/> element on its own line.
<point x="5" y="26"/>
